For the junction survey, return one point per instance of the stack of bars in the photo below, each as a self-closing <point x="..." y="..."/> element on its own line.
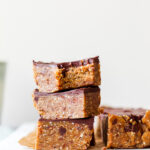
<point x="67" y="99"/>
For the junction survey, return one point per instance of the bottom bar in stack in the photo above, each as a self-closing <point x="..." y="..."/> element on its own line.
<point x="65" y="134"/>
<point x="125" y="128"/>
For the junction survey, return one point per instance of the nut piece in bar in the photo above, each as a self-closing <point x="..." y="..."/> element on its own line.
<point x="125" y="128"/>
<point x="52" y="77"/>
<point x="65" y="134"/>
<point x="77" y="103"/>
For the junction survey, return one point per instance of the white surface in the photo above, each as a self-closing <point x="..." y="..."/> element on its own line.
<point x="62" y="30"/>
<point x="11" y="142"/>
<point x="5" y="132"/>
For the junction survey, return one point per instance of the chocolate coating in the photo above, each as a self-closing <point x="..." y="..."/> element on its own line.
<point x="66" y="65"/>
<point x="74" y="91"/>
<point x="136" y="114"/>
<point x="62" y="130"/>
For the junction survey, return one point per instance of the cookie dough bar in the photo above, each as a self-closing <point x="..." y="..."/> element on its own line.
<point x="52" y="77"/>
<point x="65" y="134"/>
<point x="77" y="103"/>
<point x="125" y="128"/>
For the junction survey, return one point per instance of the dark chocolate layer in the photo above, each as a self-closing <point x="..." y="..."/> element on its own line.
<point x="122" y="111"/>
<point x="66" y="65"/>
<point x="69" y="92"/>
<point x="87" y="121"/>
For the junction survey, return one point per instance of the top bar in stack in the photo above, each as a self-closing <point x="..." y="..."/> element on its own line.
<point x="53" y="77"/>
<point x="125" y="128"/>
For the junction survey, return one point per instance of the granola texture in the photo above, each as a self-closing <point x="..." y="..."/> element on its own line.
<point x="126" y="128"/>
<point x="29" y="142"/>
<point x="78" y="103"/>
<point x="64" y="135"/>
<point x="52" y="77"/>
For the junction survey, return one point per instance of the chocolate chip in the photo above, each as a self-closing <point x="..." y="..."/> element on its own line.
<point x="132" y="128"/>
<point x="136" y="127"/>
<point x="135" y="118"/>
<point x="36" y="99"/>
<point x="128" y="128"/>
<point x="114" y="121"/>
<point x="62" y="130"/>
<point x="64" y="73"/>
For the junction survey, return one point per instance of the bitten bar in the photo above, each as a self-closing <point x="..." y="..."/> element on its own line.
<point x="125" y="128"/>
<point x="65" y="134"/>
<point x="77" y="103"/>
<point x="52" y="77"/>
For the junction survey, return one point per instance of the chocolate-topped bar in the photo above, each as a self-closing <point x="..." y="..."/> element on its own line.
<point x="125" y="128"/>
<point x="76" y="103"/>
<point x="52" y="77"/>
<point x="65" y="134"/>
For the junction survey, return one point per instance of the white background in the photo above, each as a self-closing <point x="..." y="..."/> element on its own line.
<point x="63" y="30"/>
